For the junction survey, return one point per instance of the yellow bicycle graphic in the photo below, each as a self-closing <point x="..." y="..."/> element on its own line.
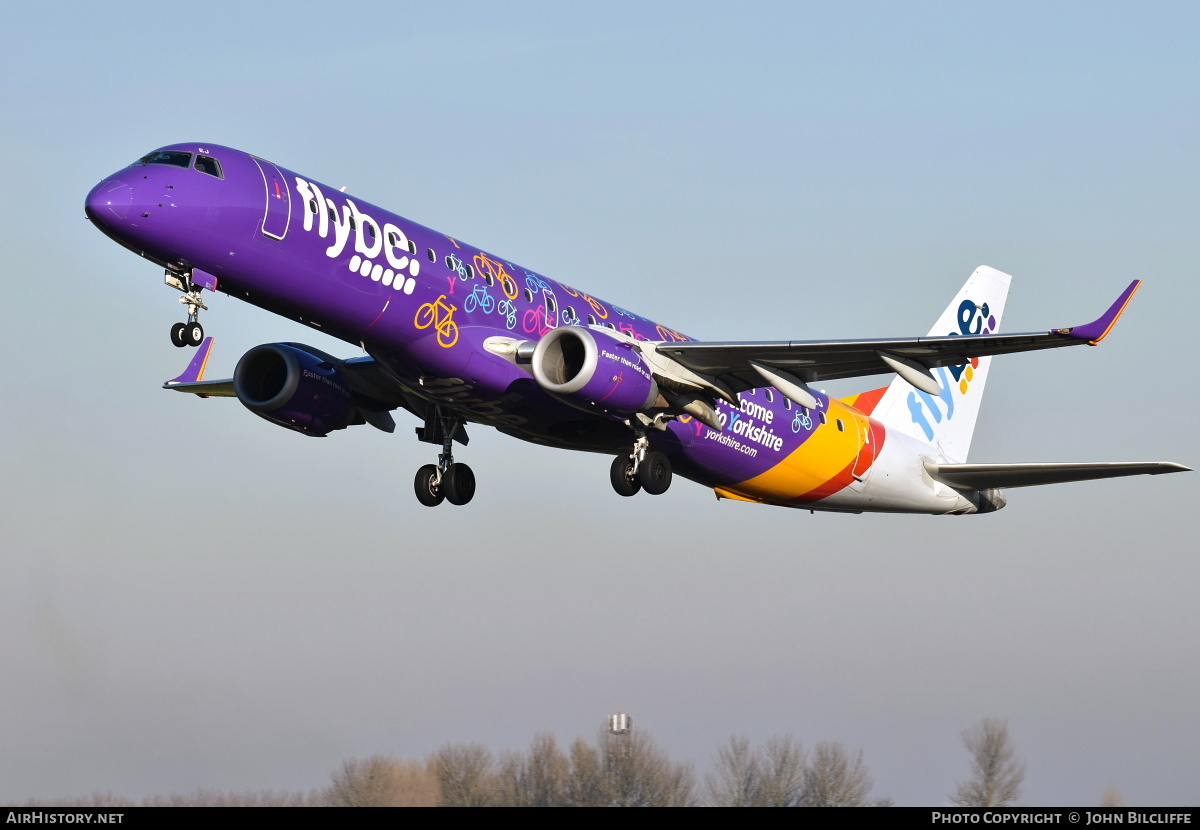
<point x="596" y="305"/>
<point x="489" y="267"/>
<point x="439" y="314"/>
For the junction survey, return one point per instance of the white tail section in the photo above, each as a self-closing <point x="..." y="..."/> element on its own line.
<point x="947" y="420"/>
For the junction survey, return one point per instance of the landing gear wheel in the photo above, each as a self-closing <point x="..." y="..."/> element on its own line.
<point x="193" y="334"/>
<point x="177" y="334"/>
<point x="623" y="479"/>
<point x="655" y="473"/>
<point x="428" y="491"/>
<point x="458" y="483"/>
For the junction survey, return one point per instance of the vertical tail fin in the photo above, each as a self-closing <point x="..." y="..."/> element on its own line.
<point x="947" y="420"/>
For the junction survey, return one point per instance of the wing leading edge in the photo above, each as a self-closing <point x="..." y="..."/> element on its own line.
<point x="816" y="360"/>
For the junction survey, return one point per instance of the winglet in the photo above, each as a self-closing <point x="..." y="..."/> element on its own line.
<point x="1097" y="330"/>
<point x="195" y="370"/>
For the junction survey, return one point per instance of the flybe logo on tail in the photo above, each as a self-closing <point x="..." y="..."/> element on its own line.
<point x="370" y="240"/>
<point x="972" y="319"/>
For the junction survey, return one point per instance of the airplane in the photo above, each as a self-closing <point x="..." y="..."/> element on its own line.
<point x="454" y="334"/>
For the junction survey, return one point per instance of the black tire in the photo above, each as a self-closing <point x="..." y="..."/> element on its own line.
<point x="655" y="473"/>
<point x="193" y="334"/>
<point x="177" y="335"/>
<point x="622" y="478"/>
<point x="459" y="484"/>
<point x="428" y="492"/>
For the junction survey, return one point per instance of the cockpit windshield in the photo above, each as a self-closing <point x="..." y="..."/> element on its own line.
<point x="173" y="158"/>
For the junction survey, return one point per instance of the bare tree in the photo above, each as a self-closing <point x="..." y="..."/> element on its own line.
<point x="771" y="776"/>
<point x="537" y="778"/>
<point x="639" y="774"/>
<point x="466" y="775"/>
<point x="380" y="781"/>
<point x="735" y="779"/>
<point x="586" y="786"/>
<point x="781" y="767"/>
<point x="996" y="775"/>
<point x="835" y="778"/>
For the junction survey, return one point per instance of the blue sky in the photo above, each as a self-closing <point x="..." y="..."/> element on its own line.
<point x="196" y="599"/>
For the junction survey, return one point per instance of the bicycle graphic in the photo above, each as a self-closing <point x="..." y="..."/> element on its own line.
<point x="802" y="420"/>
<point x="669" y="334"/>
<point x="440" y="315"/>
<point x="509" y="309"/>
<point x="479" y="298"/>
<point x="535" y="321"/>
<point x="489" y="267"/>
<point x="457" y="266"/>
<point x="628" y="329"/>
<point x="596" y="305"/>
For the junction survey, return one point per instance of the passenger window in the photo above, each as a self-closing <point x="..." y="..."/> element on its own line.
<point x="412" y="247"/>
<point x="210" y="166"/>
<point x="770" y="395"/>
<point x="841" y="426"/>
<point x="529" y="295"/>
<point x="432" y="256"/>
<point x="591" y="320"/>
<point x="551" y="305"/>
<point x="787" y="404"/>
<point x="312" y="205"/>
<point x="821" y="415"/>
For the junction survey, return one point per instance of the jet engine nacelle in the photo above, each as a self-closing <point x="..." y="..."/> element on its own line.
<point x="294" y="388"/>
<point x="594" y="372"/>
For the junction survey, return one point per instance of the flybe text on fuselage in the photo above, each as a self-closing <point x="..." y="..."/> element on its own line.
<point x="370" y="239"/>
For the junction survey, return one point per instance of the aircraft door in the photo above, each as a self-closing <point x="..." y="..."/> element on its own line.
<point x="866" y="451"/>
<point x="277" y="215"/>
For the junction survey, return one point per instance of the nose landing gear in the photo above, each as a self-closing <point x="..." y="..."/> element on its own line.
<point x="190" y="333"/>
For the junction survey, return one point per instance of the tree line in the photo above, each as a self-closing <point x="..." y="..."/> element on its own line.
<point x="617" y="770"/>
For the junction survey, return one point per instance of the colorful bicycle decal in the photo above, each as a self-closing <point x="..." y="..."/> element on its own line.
<point x="509" y="309"/>
<point x="489" y="267"/>
<point x="479" y="298"/>
<point x="628" y="329"/>
<point x="457" y="266"/>
<point x="440" y="315"/>
<point x="535" y="321"/>
<point x="669" y="334"/>
<point x="596" y="305"/>
<point x="802" y="420"/>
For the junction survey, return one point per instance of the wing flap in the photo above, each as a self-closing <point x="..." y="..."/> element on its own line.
<point x="988" y="476"/>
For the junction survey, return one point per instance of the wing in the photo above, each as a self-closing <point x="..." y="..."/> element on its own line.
<point x="986" y="476"/>
<point x="741" y="366"/>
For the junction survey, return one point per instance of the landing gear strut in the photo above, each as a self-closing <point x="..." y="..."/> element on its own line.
<point x="190" y="333"/>
<point x="445" y="480"/>
<point x="640" y="470"/>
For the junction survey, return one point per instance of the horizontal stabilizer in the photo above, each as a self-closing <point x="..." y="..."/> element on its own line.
<point x="204" y="388"/>
<point x="192" y="380"/>
<point x="987" y="476"/>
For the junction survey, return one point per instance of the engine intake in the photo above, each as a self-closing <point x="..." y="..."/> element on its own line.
<point x="592" y="371"/>
<point x="294" y="388"/>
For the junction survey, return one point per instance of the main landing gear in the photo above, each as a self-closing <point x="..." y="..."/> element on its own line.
<point x="640" y="470"/>
<point x="190" y="333"/>
<point x="445" y="480"/>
